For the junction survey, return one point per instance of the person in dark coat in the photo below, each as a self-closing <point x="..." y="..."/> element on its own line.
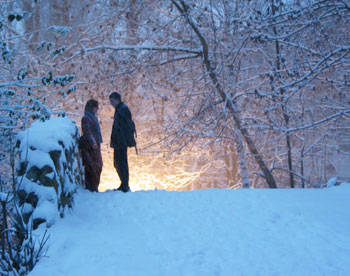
<point x="90" y="146"/>
<point x="122" y="136"/>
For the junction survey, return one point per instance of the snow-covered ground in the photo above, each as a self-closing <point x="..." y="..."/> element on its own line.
<point x="206" y="232"/>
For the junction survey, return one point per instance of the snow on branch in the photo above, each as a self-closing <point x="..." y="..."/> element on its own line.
<point x="315" y="71"/>
<point x="314" y="124"/>
<point x="60" y="29"/>
<point x="178" y="59"/>
<point x="145" y="47"/>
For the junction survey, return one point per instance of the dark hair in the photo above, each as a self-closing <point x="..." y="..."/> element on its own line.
<point x="115" y="95"/>
<point x="91" y="104"/>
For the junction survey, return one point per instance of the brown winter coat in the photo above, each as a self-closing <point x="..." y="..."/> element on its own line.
<point x="90" y="147"/>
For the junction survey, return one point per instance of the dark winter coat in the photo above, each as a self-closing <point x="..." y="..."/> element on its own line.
<point x="91" y="137"/>
<point x="123" y="128"/>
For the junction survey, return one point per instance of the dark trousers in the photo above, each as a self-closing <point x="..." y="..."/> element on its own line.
<point x="122" y="167"/>
<point x="92" y="162"/>
<point x="92" y="177"/>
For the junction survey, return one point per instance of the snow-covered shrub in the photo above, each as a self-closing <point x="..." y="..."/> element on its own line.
<point x="29" y="90"/>
<point x="20" y="250"/>
<point x="49" y="169"/>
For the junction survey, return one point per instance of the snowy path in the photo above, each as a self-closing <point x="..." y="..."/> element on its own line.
<point x="208" y="232"/>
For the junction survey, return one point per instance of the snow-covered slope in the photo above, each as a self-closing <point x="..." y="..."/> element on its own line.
<point x="206" y="232"/>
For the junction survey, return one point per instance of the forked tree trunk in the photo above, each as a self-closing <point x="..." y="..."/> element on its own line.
<point x="183" y="8"/>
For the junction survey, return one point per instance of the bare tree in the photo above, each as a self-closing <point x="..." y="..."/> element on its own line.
<point x="259" y="76"/>
<point x="255" y="73"/>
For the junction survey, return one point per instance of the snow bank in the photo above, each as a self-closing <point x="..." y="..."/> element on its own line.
<point x="206" y="232"/>
<point x="3" y="197"/>
<point x="49" y="168"/>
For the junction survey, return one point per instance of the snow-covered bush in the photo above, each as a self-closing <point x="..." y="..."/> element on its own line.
<point x="30" y="89"/>
<point x="49" y="169"/>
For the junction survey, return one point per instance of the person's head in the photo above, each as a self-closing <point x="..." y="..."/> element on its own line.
<point x="91" y="106"/>
<point x="115" y="98"/>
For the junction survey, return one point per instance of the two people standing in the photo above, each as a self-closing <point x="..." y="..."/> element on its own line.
<point x="122" y="137"/>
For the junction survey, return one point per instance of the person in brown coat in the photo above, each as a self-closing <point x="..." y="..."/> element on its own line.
<point x="90" y="146"/>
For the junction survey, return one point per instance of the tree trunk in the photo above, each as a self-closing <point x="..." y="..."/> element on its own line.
<point x="226" y="97"/>
<point x="242" y="160"/>
<point x="284" y="110"/>
<point x="32" y="24"/>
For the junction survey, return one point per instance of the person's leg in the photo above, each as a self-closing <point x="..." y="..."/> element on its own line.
<point x="98" y="176"/>
<point x="97" y="169"/>
<point x="125" y="182"/>
<point x="121" y="165"/>
<point x="95" y="177"/>
<point x="89" y="170"/>
<point x="89" y="178"/>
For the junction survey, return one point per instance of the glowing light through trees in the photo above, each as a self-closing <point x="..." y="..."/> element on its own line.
<point x="149" y="172"/>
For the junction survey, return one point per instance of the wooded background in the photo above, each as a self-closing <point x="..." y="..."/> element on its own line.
<point x="224" y="94"/>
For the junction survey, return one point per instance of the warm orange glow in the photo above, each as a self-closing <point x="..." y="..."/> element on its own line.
<point x="148" y="173"/>
<point x="196" y="167"/>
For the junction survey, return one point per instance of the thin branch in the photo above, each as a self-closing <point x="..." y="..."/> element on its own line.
<point x="144" y="47"/>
